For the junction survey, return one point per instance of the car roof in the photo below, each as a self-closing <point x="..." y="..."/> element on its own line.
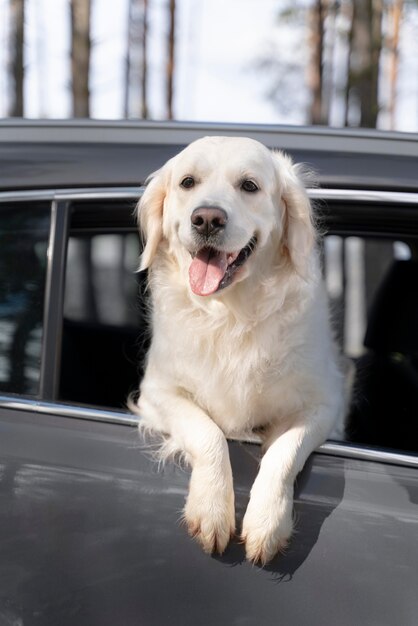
<point x="79" y="153"/>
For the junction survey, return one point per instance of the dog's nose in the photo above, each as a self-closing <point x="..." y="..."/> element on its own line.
<point x="209" y="220"/>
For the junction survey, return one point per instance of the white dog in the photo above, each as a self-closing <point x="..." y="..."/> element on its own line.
<point x="240" y="332"/>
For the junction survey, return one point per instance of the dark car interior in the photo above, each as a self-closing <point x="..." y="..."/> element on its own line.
<point x="384" y="411"/>
<point x="105" y="334"/>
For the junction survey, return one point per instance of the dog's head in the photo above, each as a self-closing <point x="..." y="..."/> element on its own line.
<point x="218" y="204"/>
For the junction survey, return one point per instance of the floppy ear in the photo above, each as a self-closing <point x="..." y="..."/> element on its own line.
<point x="150" y="216"/>
<point x="298" y="227"/>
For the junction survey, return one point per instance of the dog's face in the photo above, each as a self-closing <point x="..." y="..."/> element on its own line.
<point x="218" y="204"/>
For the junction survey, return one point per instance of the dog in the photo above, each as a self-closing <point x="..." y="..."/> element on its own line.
<point x="241" y="339"/>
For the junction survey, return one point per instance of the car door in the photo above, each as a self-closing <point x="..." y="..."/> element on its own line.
<point x="90" y="529"/>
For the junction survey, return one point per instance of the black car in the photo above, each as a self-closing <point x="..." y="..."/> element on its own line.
<point x="89" y="526"/>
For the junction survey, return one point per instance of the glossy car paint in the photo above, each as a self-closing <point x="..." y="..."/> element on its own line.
<point x="80" y="153"/>
<point x="91" y="534"/>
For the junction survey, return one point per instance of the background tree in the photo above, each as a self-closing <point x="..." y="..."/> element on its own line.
<point x="80" y="57"/>
<point x="395" y="17"/>
<point x="317" y="15"/>
<point x="364" y="62"/>
<point x="322" y="38"/>
<point x="16" y="55"/>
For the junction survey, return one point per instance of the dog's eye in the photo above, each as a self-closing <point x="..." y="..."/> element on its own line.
<point x="187" y="182"/>
<point x="249" y="185"/>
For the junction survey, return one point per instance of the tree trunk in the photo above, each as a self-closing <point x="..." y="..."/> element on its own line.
<point x="17" y="69"/>
<point x="396" y="10"/>
<point x="365" y="59"/>
<point x="80" y="57"/>
<point x="170" y="58"/>
<point x="371" y="110"/>
<point x="317" y="17"/>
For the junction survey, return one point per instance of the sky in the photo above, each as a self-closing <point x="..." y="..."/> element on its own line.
<point x="219" y="46"/>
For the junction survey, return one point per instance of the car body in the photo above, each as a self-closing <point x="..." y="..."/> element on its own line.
<point x="90" y="528"/>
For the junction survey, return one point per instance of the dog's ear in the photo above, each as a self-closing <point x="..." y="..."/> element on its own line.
<point x="298" y="227"/>
<point x="149" y="213"/>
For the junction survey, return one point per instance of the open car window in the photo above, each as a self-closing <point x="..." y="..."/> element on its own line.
<point x="105" y="332"/>
<point x="372" y="286"/>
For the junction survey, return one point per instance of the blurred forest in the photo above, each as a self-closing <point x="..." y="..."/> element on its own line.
<point x="346" y="75"/>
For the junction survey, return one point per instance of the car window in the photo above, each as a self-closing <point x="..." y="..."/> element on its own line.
<point x="105" y="332"/>
<point x="372" y="286"/>
<point x="104" y="321"/>
<point x="100" y="281"/>
<point x="354" y="268"/>
<point x="24" y="233"/>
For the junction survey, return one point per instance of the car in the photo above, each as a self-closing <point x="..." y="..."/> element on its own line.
<point x="90" y="526"/>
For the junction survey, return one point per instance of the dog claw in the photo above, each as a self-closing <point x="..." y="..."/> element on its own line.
<point x="213" y="539"/>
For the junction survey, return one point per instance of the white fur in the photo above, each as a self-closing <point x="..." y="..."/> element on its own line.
<point x="256" y="354"/>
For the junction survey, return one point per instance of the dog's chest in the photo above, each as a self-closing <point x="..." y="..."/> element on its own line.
<point x="237" y="377"/>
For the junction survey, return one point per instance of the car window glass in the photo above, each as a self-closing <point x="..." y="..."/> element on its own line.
<point x="372" y="287"/>
<point x="104" y="328"/>
<point x="354" y="268"/>
<point x="24" y="233"/>
<point x="100" y="282"/>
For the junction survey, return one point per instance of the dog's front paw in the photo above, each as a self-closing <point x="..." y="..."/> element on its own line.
<point x="267" y="527"/>
<point x="210" y="516"/>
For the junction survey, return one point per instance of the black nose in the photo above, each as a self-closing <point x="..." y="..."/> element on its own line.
<point x="208" y="221"/>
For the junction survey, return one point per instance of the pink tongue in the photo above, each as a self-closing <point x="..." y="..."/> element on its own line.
<point x="206" y="271"/>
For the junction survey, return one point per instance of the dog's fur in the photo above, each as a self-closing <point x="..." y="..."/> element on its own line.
<point x="257" y="354"/>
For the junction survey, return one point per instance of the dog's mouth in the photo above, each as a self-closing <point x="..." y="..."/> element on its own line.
<point x="212" y="270"/>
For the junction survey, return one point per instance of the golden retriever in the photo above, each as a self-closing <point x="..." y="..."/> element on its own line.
<point x="240" y="332"/>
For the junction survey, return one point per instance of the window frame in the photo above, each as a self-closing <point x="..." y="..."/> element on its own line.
<point x="61" y="202"/>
